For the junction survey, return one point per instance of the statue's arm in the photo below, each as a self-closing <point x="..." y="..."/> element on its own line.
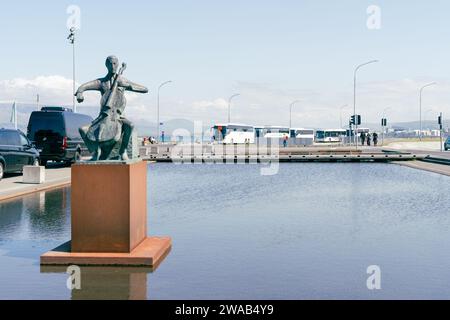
<point x="131" y="86"/>
<point x="91" y="85"/>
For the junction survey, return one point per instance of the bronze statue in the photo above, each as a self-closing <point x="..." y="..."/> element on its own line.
<point x="111" y="130"/>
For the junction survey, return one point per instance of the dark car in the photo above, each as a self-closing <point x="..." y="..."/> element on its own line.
<point x="16" y="151"/>
<point x="447" y="144"/>
<point x="54" y="131"/>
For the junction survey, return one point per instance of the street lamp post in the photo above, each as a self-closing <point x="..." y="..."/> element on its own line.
<point x="229" y="105"/>
<point x="71" y="39"/>
<point x="340" y="119"/>
<point x="354" y="98"/>
<point x="157" y="116"/>
<point x="425" y="117"/>
<point x="340" y="115"/>
<point x="290" y="112"/>
<point x="420" y="105"/>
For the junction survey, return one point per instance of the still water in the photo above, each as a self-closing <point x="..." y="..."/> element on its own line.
<point x="309" y="232"/>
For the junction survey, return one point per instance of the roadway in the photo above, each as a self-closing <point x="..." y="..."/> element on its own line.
<point x="11" y="186"/>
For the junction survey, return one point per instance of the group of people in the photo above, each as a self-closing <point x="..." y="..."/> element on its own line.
<point x="369" y="138"/>
<point x="149" y="140"/>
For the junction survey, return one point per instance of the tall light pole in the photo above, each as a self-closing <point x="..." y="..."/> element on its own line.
<point x="420" y="105"/>
<point x="71" y="39"/>
<point x="426" y="114"/>
<point x="354" y="98"/>
<point x="290" y="112"/>
<point x="157" y="116"/>
<point x="229" y="105"/>
<point x="340" y="114"/>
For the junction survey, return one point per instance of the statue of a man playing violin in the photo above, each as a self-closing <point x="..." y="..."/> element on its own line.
<point x="111" y="127"/>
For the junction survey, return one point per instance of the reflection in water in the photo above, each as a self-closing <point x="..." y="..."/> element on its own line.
<point x="48" y="212"/>
<point x="11" y="213"/>
<point x="39" y="215"/>
<point x="108" y="283"/>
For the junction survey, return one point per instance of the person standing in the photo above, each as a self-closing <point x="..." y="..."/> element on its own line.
<point x="369" y="139"/>
<point x="375" y="139"/>
<point x="363" y="138"/>
<point x="285" y="141"/>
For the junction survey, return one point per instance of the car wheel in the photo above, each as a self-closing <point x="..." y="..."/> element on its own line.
<point x="2" y="170"/>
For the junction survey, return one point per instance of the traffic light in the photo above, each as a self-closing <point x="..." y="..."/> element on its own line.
<point x="356" y="120"/>
<point x="440" y="120"/>
<point x="384" y="122"/>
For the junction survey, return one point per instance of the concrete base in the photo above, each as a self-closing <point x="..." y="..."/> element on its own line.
<point x="149" y="254"/>
<point x="33" y="175"/>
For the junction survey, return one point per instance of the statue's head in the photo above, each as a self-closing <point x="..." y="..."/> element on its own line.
<point x="112" y="63"/>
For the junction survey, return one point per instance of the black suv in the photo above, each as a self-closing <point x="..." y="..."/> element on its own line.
<point x="54" y="131"/>
<point x="16" y="151"/>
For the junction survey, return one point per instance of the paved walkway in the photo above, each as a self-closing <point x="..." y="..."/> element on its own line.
<point x="426" y="166"/>
<point x="423" y="146"/>
<point x="12" y="186"/>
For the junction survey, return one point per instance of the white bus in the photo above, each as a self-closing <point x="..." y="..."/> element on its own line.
<point x="275" y="132"/>
<point x="363" y="130"/>
<point x="304" y="137"/>
<point x="232" y="133"/>
<point x="330" y="136"/>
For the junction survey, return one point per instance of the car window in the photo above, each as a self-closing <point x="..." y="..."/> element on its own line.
<point x="23" y="140"/>
<point x="9" y="138"/>
<point x="45" y="124"/>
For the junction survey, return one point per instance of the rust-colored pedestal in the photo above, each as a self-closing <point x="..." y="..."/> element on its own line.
<point x="109" y="218"/>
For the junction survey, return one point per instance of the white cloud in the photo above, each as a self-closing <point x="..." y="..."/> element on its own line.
<point x="52" y="89"/>
<point x="203" y="105"/>
<point x="258" y="104"/>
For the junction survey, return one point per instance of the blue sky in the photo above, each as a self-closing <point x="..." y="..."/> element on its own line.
<point x="272" y="52"/>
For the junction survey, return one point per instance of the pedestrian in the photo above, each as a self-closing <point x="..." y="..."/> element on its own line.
<point x="375" y="139"/>
<point x="285" y="141"/>
<point x="369" y="139"/>
<point x="363" y="138"/>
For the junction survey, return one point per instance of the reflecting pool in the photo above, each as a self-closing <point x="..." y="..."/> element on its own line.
<point x="308" y="232"/>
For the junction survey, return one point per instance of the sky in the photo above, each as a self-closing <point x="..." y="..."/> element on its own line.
<point x="271" y="52"/>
